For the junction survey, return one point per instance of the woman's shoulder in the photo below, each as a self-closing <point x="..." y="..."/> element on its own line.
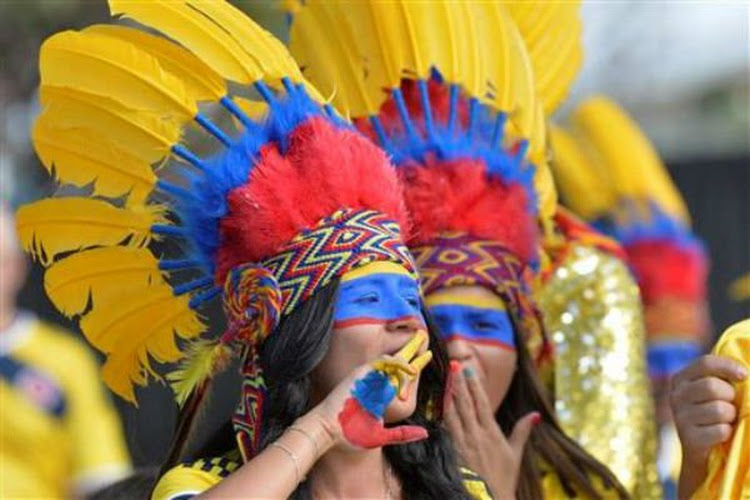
<point x="475" y="485"/>
<point x="190" y="479"/>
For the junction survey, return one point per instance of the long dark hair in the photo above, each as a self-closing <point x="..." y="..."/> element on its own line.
<point x="426" y="469"/>
<point x="573" y="465"/>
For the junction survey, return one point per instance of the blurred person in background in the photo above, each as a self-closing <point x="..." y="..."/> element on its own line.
<point x="60" y="436"/>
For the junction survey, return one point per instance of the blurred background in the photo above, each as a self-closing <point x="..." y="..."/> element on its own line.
<point x="682" y="69"/>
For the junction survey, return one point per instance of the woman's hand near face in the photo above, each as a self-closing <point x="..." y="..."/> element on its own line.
<point x="353" y="411"/>
<point x="702" y="398"/>
<point x="477" y="437"/>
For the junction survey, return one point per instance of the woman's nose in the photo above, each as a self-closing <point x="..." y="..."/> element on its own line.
<point x="406" y="324"/>
<point x="458" y="348"/>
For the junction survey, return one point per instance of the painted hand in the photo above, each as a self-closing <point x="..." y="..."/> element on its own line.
<point x="478" y="438"/>
<point x="371" y="389"/>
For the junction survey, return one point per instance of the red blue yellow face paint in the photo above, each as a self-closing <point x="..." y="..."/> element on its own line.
<point x="378" y="293"/>
<point x="481" y="320"/>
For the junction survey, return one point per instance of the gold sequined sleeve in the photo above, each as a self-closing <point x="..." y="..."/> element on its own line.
<point x="593" y="315"/>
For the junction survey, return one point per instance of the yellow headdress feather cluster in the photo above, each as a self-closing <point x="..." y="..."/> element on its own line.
<point x="632" y="163"/>
<point x="115" y="103"/>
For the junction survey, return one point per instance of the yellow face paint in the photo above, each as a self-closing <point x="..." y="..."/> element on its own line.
<point x="378" y="267"/>
<point x="449" y="296"/>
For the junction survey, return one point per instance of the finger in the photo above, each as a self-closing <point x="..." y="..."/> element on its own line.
<point x="463" y="403"/>
<point x="707" y="436"/>
<point x="711" y="413"/>
<point x="454" y="367"/>
<point x="453" y="424"/>
<point x="485" y="413"/>
<point x="711" y="366"/>
<point x="709" y="389"/>
<point x="410" y="349"/>
<point x="404" y="434"/>
<point x="521" y="432"/>
<point x="421" y="361"/>
<point x="391" y="365"/>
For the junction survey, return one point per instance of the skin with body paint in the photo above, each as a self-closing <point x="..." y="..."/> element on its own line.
<point x="368" y="377"/>
<point x="479" y="335"/>
<point x="481" y="344"/>
<point x="377" y="312"/>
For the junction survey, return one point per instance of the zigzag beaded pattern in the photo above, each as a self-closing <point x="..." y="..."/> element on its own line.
<point x="345" y="240"/>
<point x="456" y="258"/>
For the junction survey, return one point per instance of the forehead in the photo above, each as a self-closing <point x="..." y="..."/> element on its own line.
<point x="470" y="296"/>
<point x="378" y="272"/>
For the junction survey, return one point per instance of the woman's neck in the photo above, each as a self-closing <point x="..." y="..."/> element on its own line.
<point x="354" y="474"/>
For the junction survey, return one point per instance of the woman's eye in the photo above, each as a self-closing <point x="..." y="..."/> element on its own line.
<point x="370" y="298"/>
<point x="413" y="301"/>
<point x="484" y="326"/>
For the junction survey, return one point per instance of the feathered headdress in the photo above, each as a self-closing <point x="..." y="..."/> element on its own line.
<point x="610" y="174"/>
<point x="282" y="205"/>
<point x="456" y="120"/>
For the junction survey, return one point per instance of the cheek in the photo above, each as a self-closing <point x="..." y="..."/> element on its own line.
<point x="348" y="349"/>
<point x="499" y="367"/>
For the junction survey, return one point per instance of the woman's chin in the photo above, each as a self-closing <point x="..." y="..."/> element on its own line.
<point x="402" y="409"/>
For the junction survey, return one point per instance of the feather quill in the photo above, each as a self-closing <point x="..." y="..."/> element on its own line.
<point x="52" y="226"/>
<point x="80" y="157"/>
<point x="118" y="69"/>
<point x="103" y="275"/>
<point x="200" y="81"/>
<point x="148" y="137"/>
<point x="141" y="330"/>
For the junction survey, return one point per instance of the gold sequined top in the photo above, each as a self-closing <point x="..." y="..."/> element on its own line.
<point x="593" y="315"/>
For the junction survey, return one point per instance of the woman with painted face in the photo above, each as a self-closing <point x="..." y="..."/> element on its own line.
<point x="296" y="222"/>
<point x="468" y="187"/>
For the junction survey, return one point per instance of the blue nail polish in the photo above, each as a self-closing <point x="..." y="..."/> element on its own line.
<point x="468" y="372"/>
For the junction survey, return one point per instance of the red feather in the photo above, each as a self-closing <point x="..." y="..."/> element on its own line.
<point x="458" y="196"/>
<point x="665" y="269"/>
<point x="325" y="168"/>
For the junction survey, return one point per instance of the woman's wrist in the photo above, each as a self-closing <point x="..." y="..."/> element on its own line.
<point x="318" y="431"/>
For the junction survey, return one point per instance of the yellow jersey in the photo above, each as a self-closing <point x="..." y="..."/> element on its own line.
<point x="59" y="433"/>
<point x="186" y="481"/>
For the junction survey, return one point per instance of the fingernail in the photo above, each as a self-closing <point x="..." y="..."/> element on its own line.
<point x="468" y="372"/>
<point x="455" y="366"/>
<point x="741" y="373"/>
<point x="536" y="418"/>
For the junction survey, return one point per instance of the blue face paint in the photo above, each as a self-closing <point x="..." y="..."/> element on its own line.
<point x="474" y="324"/>
<point x="377" y="298"/>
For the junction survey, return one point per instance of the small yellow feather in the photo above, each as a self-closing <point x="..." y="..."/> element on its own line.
<point x="142" y="328"/>
<point x="200" y="81"/>
<point x="103" y="275"/>
<point x="52" y="226"/>
<point x="116" y="68"/>
<point x="147" y="136"/>
<point x="80" y="157"/>
<point x="202" y="361"/>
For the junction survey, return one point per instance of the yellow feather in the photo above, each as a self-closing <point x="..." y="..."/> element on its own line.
<point x="740" y="288"/>
<point x="147" y="136"/>
<point x="584" y="188"/>
<point x="331" y="61"/>
<point x="52" y="226"/>
<point x="496" y="34"/>
<point x="552" y="33"/>
<point x="105" y="275"/>
<point x="142" y="328"/>
<point x="628" y="156"/>
<point x="79" y="157"/>
<point x="200" y="81"/>
<point x="255" y="110"/>
<point x="218" y="34"/>
<point x="269" y="53"/>
<point x="522" y="71"/>
<point x="202" y="361"/>
<point x="118" y="69"/>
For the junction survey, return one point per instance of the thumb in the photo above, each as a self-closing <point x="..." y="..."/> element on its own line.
<point x="522" y="431"/>
<point x="403" y="434"/>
